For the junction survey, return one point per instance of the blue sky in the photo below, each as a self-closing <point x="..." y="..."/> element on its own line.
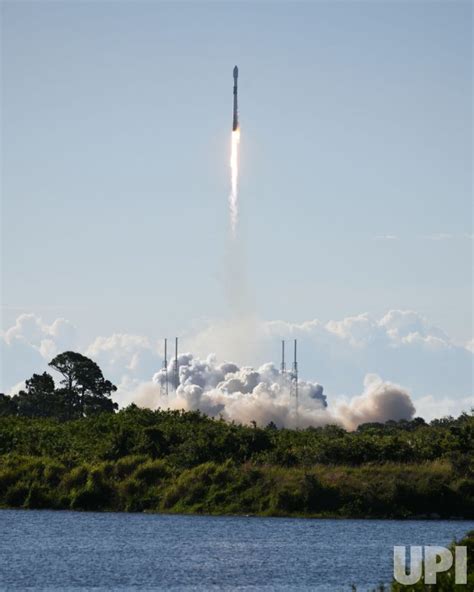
<point x="356" y="126"/>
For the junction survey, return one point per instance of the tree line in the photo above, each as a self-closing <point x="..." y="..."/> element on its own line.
<point x="83" y="391"/>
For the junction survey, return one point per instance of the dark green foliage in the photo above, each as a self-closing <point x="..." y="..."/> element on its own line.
<point x="176" y="461"/>
<point x="40" y="398"/>
<point x="138" y="483"/>
<point x="39" y="497"/>
<point x="7" y="406"/>
<point x="84" y="392"/>
<point x="16" y="495"/>
<point x="151" y="472"/>
<point x="92" y="489"/>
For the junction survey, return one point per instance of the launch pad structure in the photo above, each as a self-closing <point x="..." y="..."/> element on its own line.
<point x="294" y="395"/>
<point x="292" y="376"/>
<point x="164" y="386"/>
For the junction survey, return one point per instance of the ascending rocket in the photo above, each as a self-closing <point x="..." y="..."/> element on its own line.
<point x="235" y="119"/>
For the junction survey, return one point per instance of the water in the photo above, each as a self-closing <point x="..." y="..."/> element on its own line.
<point x="69" y="551"/>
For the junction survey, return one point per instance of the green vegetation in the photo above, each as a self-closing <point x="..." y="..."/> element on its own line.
<point x="143" y="460"/>
<point x="83" y="391"/>
<point x="67" y="448"/>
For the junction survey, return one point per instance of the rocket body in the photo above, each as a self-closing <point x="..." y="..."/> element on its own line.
<point x="235" y="118"/>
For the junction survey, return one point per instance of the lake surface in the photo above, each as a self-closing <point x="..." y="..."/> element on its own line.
<point x="46" y="550"/>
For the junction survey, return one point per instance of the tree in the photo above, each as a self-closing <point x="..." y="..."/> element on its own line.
<point x="39" y="399"/>
<point x="7" y="405"/>
<point x="85" y="390"/>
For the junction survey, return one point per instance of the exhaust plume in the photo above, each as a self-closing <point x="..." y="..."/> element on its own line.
<point x="244" y="394"/>
<point x="379" y="402"/>
<point x="234" y="177"/>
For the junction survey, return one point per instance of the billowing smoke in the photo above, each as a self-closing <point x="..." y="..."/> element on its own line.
<point x="379" y="402"/>
<point x="244" y="394"/>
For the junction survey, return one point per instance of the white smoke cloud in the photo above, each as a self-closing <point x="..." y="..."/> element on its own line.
<point x="242" y="339"/>
<point x="379" y="402"/>
<point x="263" y="395"/>
<point x="241" y="394"/>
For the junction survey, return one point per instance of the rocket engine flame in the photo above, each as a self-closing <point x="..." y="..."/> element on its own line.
<point x="234" y="177"/>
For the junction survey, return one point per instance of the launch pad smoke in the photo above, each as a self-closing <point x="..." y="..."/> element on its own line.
<point x="244" y="394"/>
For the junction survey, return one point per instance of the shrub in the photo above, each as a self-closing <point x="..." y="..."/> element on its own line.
<point x="53" y="473"/>
<point x="151" y="472"/>
<point x="16" y="495"/>
<point x="38" y="497"/>
<point x="76" y="478"/>
<point x="126" y="465"/>
<point x="7" y="477"/>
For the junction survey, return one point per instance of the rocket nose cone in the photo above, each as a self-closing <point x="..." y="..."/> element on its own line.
<point x="236" y="71"/>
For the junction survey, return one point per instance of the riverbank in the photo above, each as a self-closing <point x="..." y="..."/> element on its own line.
<point x="140" y="484"/>
<point x="138" y="460"/>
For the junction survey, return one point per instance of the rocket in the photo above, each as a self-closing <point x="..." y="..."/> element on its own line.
<point x="235" y="118"/>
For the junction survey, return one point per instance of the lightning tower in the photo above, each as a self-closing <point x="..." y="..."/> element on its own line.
<point x="294" y="382"/>
<point x="176" y="366"/>
<point x="164" y="385"/>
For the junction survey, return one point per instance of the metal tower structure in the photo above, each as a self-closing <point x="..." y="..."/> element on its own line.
<point x="294" y="382"/>
<point x="176" y="367"/>
<point x="164" y="385"/>
<point x="283" y="365"/>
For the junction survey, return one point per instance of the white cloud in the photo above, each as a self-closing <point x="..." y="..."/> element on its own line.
<point x="31" y="329"/>
<point x="124" y="353"/>
<point x="127" y="360"/>
<point x="430" y="407"/>
<point x="437" y="236"/>
<point x="401" y="346"/>
<point x="359" y="331"/>
<point x="16" y="388"/>
<point x="30" y="344"/>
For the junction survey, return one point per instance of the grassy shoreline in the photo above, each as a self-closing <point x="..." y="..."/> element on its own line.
<point x="140" y="484"/>
<point x="140" y="460"/>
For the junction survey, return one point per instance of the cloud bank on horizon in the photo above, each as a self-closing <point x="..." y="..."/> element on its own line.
<point x="401" y="347"/>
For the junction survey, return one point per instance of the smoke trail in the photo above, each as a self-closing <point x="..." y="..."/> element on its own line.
<point x="234" y="176"/>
